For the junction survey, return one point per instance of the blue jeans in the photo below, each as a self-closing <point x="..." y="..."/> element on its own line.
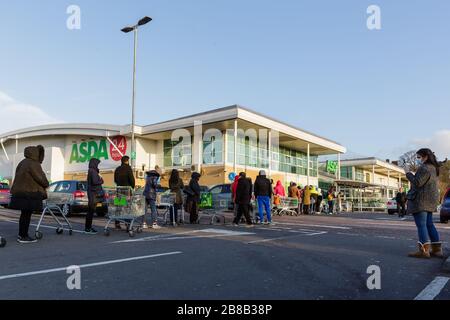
<point x="264" y="203"/>
<point x="425" y="227"/>
<point x="153" y="210"/>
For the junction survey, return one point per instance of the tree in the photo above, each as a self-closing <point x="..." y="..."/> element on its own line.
<point x="444" y="177"/>
<point x="408" y="161"/>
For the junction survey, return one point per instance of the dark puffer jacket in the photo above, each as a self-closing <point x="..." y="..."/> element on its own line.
<point x="194" y="186"/>
<point x="94" y="180"/>
<point x="151" y="183"/>
<point x="263" y="187"/>
<point x="30" y="182"/>
<point x="424" y="194"/>
<point x="124" y="177"/>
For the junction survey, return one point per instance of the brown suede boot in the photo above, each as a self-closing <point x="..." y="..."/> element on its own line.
<point x="423" y="252"/>
<point x="436" y="250"/>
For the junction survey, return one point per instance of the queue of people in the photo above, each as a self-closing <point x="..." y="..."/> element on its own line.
<point x="29" y="190"/>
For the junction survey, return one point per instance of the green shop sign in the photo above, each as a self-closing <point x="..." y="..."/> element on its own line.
<point x="85" y="151"/>
<point x="332" y="166"/>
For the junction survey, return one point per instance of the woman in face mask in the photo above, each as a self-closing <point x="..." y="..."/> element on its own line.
<point x="423" y="199"/>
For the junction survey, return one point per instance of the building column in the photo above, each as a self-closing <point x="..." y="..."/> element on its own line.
<point x="269" y="147"/>
<point x="308" y="155"/>
<point x="399" y="181"/>
<point x="235" y="132"/>
<point x="373" y="174"/>
<point x="388" y="184"/>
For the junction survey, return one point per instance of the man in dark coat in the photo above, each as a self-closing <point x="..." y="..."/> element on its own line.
<point x="401" y="202"/>
<point x="29" y="189"/>
<point x="95" y="193"/>
<point x="243" y="199"/>
<point x="193" y="197"/>
<point x="263" y="194"/>
<point x="124" y="177"/>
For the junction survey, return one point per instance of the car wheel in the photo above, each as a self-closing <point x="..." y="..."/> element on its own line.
<point x="66" y="209"/>
<point x="444" y="221"/>
<point x="391" y="212"/>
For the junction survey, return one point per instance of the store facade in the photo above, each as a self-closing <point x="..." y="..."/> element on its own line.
<point x="218" y="143"/>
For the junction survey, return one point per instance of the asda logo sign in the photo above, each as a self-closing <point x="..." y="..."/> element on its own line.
<point x="103" y="150"/>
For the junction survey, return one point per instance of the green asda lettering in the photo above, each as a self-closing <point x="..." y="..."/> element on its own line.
<point x="85" y="151"/>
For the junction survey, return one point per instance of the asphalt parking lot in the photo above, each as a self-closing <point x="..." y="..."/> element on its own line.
<point x="305" y="257"/>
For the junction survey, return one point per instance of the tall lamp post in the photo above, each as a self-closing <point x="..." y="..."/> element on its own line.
<point x="134" y="28"/>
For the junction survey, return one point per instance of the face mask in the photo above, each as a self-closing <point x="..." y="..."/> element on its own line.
<point x="419" y="162"/>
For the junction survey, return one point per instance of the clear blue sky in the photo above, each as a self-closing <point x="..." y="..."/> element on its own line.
<point x="311" y="63"/>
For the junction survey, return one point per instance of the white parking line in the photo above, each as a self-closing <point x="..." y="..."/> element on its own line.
<point x="433" y="289"/>
<point x="313" y="225"/>
<point x="44" y="226"/>
<point x="287" y="237"/>
<point x="90" y="265"/>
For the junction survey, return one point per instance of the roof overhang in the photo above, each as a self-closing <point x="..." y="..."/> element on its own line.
<point x="369" y="164"/>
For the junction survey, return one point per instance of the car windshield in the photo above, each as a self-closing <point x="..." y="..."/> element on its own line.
<point x="82" y="186"/>
<point x="4" y="186"/>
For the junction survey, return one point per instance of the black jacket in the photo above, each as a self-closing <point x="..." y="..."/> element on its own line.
<point x="194" y="186"/>
<point x="401" y="198"/>
<point x="94" y="180"/>
<point x="244" y="191"/>
<point x="30" y="182"/>
<point x="263" y="187"/>
<point x="124" y="177"/>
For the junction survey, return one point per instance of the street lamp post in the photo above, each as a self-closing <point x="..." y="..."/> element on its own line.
<point x="134" y="28"/>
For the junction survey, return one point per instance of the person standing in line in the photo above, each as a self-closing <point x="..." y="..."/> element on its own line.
<point x="330" y="199"/>
<point x="150" y="193"/>
<point x="319" y="201"/>
<point x="306" y="200"/>
<point x="263" y="193"/>
<point x="29" y="190"/>
<point x="176" y="186"/>
<point x="401" y="202"/>
<point x="423" y="199"/>
<point x="193" y="197"/>
<point x="243" y="198"/>
<point x="95" y="194"/>
<point x="233" y="195"/>
<point x="124" y="177"/>
<point x="300" y="199"/>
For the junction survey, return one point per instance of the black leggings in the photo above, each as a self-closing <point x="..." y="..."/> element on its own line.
<point x="24" y="223"/>
<point x="92" y="205"/>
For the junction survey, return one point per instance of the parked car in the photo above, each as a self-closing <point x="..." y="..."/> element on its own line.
<point x="222" y="192"/>
<point x="392" y="206"/>
<point x="76" y="192"/>
<point x="5" y="195"/>
<point x="445" y="208"/>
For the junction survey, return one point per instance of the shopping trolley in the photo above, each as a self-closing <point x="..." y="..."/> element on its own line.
<point x="166" y="201"/>
<point x="210" y="207"/>
<point x="125" y="206"/>
<point x="2" y="242"/>
<point x="53" y="206"/>
<point x="287" y="206"/>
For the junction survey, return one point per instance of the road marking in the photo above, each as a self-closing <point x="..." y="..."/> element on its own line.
<point x="225" y="232"/>
<point x="176" y="236"/>
<point x="389" y="219"/>
<point x="433" y="289"/>
<point x="90" y="265"/>
<point x="350" y="234"/>
<point x="313" y="225"/>
<point x="45" y="226"/>
<point x="287" y="237"/>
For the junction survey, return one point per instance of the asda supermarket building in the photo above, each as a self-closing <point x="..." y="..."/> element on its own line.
<point x="218" y="143"/>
